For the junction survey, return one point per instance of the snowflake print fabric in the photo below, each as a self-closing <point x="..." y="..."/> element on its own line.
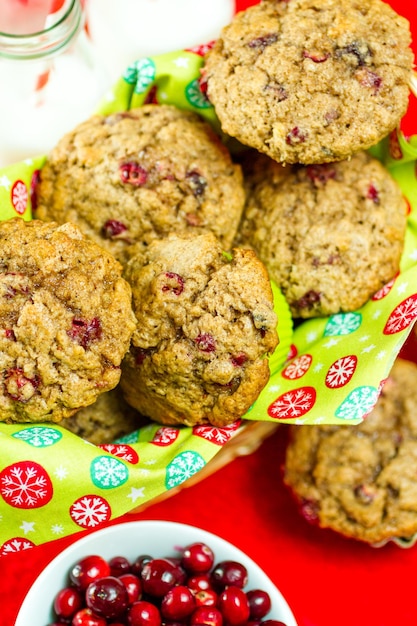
<point x="69" y="485"/>
<point x="328" y="370"/>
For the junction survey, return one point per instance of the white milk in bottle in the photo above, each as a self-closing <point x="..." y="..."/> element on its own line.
<point x="49" y="82"/>
<point x="124" y="30"/>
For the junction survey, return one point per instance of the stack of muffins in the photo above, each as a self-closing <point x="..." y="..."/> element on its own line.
<point x="191" y="235"/>
<point x="129" y="267"/>
<point x="309" y="86"/>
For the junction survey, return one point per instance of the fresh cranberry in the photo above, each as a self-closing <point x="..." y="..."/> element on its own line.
<point x="133" y="173"/>
<point x="87" y="570"/>
<point x="260" y="43"/>
<point x="159" y="576"/>
<point x="86" y="617"/>
<point x="174" y="283"/>
<point x="198" y="558"/>
<point x="178" y="603"/>
<point x="107" y="597"/>
<point x="84" y="332"/>
<point x="229" y="573"/>
<point x="133" y="586"/>
<point x="205" y="342"/>
<point x="273" y="622"/>
<point x="180" y="573"/>
<point x="206" y="597"/>
<point x="67" y="602"/>
<point x="119" y="565"/>
<point x="141" y="560"/>
<point x="259" y="603"/>
<point x="199" y="582"/>
<point x="207" y="615"/>
<point x="143" y="613"/>
<point x="233" y="605"/>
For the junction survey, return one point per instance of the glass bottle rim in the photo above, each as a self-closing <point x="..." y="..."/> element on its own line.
<point x="47" y="42"/>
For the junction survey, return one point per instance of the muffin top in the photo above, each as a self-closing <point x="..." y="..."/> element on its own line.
<point x="311" y="81"/>
<point x="360" y="480"/>
<point x="131" y="177"/>
<point x="205" y="326"/>
<point x="330" y="235"/>
<point x="65" y="320"/>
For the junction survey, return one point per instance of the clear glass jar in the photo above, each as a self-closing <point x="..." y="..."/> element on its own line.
<point x="124" y="30"/>
<point x="50" y="82"/>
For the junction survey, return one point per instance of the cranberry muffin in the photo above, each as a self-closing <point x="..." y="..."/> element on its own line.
<point x="361" y="480"/>
<point x="131" y="177"/>
<point x="311" y="81"/>
<point x="330" y="235"/>
<point x="66" y="321"/>
<point x="205" y="327"/>
<point x="109" y="418"/>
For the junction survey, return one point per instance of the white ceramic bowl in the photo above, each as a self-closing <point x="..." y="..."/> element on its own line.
<point x="130" y="539"/>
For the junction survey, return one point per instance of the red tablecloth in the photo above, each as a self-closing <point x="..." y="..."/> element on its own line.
<point x="326" y="579"/>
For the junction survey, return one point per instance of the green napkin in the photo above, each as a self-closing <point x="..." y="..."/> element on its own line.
<point x="329" y="370"/>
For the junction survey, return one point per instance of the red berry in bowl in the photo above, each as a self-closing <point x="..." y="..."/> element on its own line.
<point x="199" y="582"/>
<point x="67" y="602"/>
<point x="119" y="565"/>
<point x="133" y="587"/>
<point x="178" y="603"/>
<point x="207" y="615"/>
<point x="86" y="617"/>
<point x="87" y="570"/>
<point x="229" y="573"/>
<point x="107" y="597"/>
<point x="143" y="613"/>
<point x="198" y="557"/>
<point x="159" y="576"/>
<point x="206" y="597"/>
<point x="259" y="603"/>
<point x="185" y="589"/>
<point x="138" y="563"/>
<point x="234" y="605"/>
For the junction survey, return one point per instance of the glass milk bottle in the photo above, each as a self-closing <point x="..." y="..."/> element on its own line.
<point x="124" y="30"/>
<point x="49" y="83"/>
